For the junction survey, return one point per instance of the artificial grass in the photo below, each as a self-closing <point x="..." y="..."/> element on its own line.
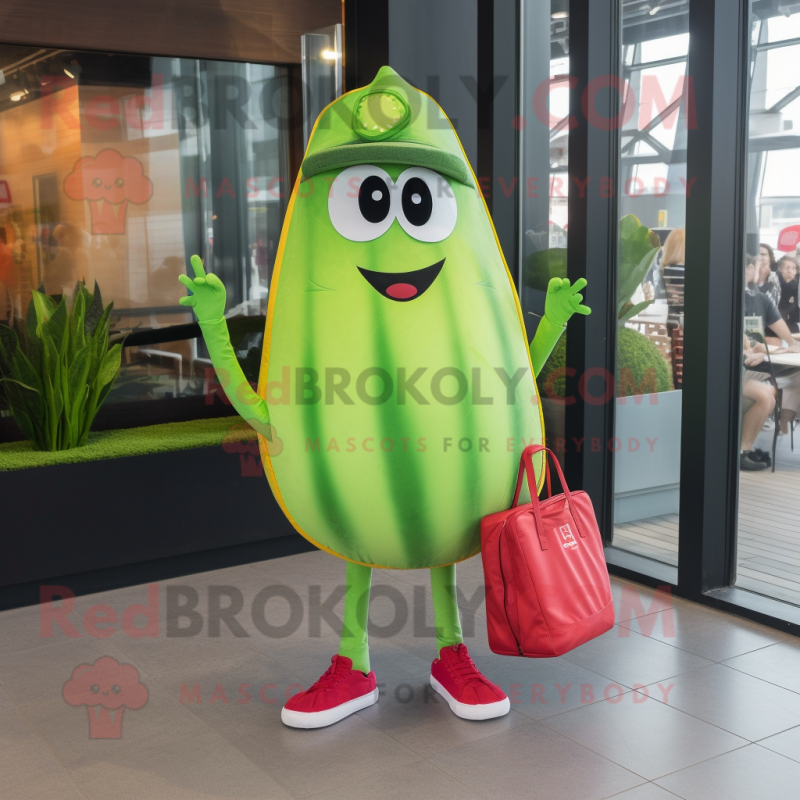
<point x="107" y="445"/>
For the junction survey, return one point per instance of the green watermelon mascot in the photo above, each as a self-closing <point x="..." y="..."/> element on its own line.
<point x="396" y="373"/>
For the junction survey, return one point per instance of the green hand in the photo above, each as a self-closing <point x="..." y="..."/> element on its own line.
<point x="563" y="300"/>
<point x="208" y="300"/>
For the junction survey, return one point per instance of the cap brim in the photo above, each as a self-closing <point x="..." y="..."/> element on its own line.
<point x="414" y="155"/>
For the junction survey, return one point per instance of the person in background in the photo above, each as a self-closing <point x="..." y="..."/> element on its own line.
<point x="760" y="397"/>
<point x="758" y="304"/>
<point x="672" y="270"/>
<point x="767" y="279"/>
<point x="788" y="305"/>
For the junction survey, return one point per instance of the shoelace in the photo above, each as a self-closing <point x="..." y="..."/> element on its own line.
<point x="328" y="680"/>
<point x="463" y="668"/>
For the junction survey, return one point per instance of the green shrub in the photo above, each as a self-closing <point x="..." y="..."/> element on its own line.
<point x="56" y="368"/>
<point x="640" y="367"/>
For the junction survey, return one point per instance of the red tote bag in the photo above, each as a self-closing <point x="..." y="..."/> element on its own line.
<point x="547" y="587"/>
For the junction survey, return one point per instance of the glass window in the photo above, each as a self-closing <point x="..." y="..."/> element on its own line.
<point x="768" y="545"/>
<point x="115" y="169"/>
<point x="651" y="187"/>
<point x="544" y="186"/>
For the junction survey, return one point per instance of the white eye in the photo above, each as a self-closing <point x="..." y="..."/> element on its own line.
<point x="360" y="203"/>
<point x="426" y="205"/>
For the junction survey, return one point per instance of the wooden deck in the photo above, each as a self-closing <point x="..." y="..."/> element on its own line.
<point x="768" y="557"/>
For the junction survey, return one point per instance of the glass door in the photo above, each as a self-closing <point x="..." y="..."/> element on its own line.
<point x="768" y="546"/>
<point x="651" y="186"/>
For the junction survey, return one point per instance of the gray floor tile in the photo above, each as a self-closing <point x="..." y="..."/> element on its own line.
<point x="27" y="766"/>
<point x="176" y="658"/>
<point x="66" y="729"/>
<point x="751" y="772"/>
<point x="634" y="600"/>
<point x="778" y="664"/>
<point x="646" y="737"/>
<point x="203" y="766"/>
<point x="647" y="791"/>
<point x="544" y="687"/>
<point x="308" y="762"/>
<point x="739" y="703"/>
<point x="627" y="657"/>
<point x="418" y="780"/>
<point x="534" y="763"/>
<point x="20" y="630"/>
<point x="786" y="743"/>
<point x="49" y="787"/>
<point x="704" y="631"/>
<point x="39" y="674"/>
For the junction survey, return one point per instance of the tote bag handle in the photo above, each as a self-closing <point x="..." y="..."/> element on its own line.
<point x="526" y="465"/>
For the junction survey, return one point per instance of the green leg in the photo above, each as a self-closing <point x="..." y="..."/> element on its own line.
<point x="354" y="643"/>
<point x="445" y="608"/>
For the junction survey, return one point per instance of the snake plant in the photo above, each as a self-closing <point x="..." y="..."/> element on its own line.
<point x="57" y="369"/>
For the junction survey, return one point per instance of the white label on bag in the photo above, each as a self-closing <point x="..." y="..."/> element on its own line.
<point x="566" y="535"/>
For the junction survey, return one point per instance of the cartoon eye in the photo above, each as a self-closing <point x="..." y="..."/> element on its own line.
<point x="428" y="209"/>
<point x="97" y="182"/>
<point x="116" y="688"/>
<point x="94" y="688"/>
<point x="119" y="183"/>
<point x="360" y="203"/>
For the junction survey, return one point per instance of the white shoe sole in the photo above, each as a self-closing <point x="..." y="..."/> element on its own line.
<point x="321" y="719"/>
<point x="475" y="712"/>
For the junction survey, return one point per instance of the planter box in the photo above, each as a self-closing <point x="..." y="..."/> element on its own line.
<point x="93" y="515"/>
<point x="647" y="464"/>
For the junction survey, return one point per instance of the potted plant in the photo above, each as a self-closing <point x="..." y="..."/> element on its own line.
<point x="57" y="369"/>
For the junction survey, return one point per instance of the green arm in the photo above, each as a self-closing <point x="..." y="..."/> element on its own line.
<point x="208" y="302"/>
<point x="561" y="302"/>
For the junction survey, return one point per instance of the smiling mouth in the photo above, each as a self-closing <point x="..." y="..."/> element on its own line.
<point x="403" y="286"/>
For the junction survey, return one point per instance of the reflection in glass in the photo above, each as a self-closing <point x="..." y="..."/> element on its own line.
<point x="115" y="169"/>
<point x="768" y="544"/>
<point x="656" y="112"/>
<point x="544" y="186"/>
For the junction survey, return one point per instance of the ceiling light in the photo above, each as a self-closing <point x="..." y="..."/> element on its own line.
<point x="559" y="15"/>
<point x="654" y="10"/>
<point x="330" y="55"/>
<point x="72" y="70"/>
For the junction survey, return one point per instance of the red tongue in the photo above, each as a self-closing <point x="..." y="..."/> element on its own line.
<point x="401" y="290"/>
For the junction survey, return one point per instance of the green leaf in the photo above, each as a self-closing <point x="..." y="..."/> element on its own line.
<point x="19" y="383"/>
<point x="56" y="327"/>
<point x="43" y="307"/>
<point x="110" y="366"/>
<point x="76" y="383"/>
<point x="634" y="310"/>
<point x="77" y="334"/>
<point x="94" y="312"/>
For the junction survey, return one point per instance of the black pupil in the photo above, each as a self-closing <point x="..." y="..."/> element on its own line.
<point x="417" y="201"/>
<point x="373" y="199"/>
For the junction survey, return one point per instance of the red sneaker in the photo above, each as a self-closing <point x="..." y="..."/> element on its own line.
<point x="340" y="692"/>
<point x="469" y="695"/>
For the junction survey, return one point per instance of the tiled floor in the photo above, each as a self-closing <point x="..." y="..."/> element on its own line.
<point x="675" y="701"/>
<point x="768" y="546"/>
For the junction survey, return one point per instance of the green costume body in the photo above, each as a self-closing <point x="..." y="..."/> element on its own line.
<point x="396" y="373"/>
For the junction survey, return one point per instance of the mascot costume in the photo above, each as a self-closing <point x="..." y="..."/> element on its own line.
<point x="396" y="373"/>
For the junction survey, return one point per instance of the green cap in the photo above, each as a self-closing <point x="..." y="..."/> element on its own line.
<point x="388" y="121"/>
